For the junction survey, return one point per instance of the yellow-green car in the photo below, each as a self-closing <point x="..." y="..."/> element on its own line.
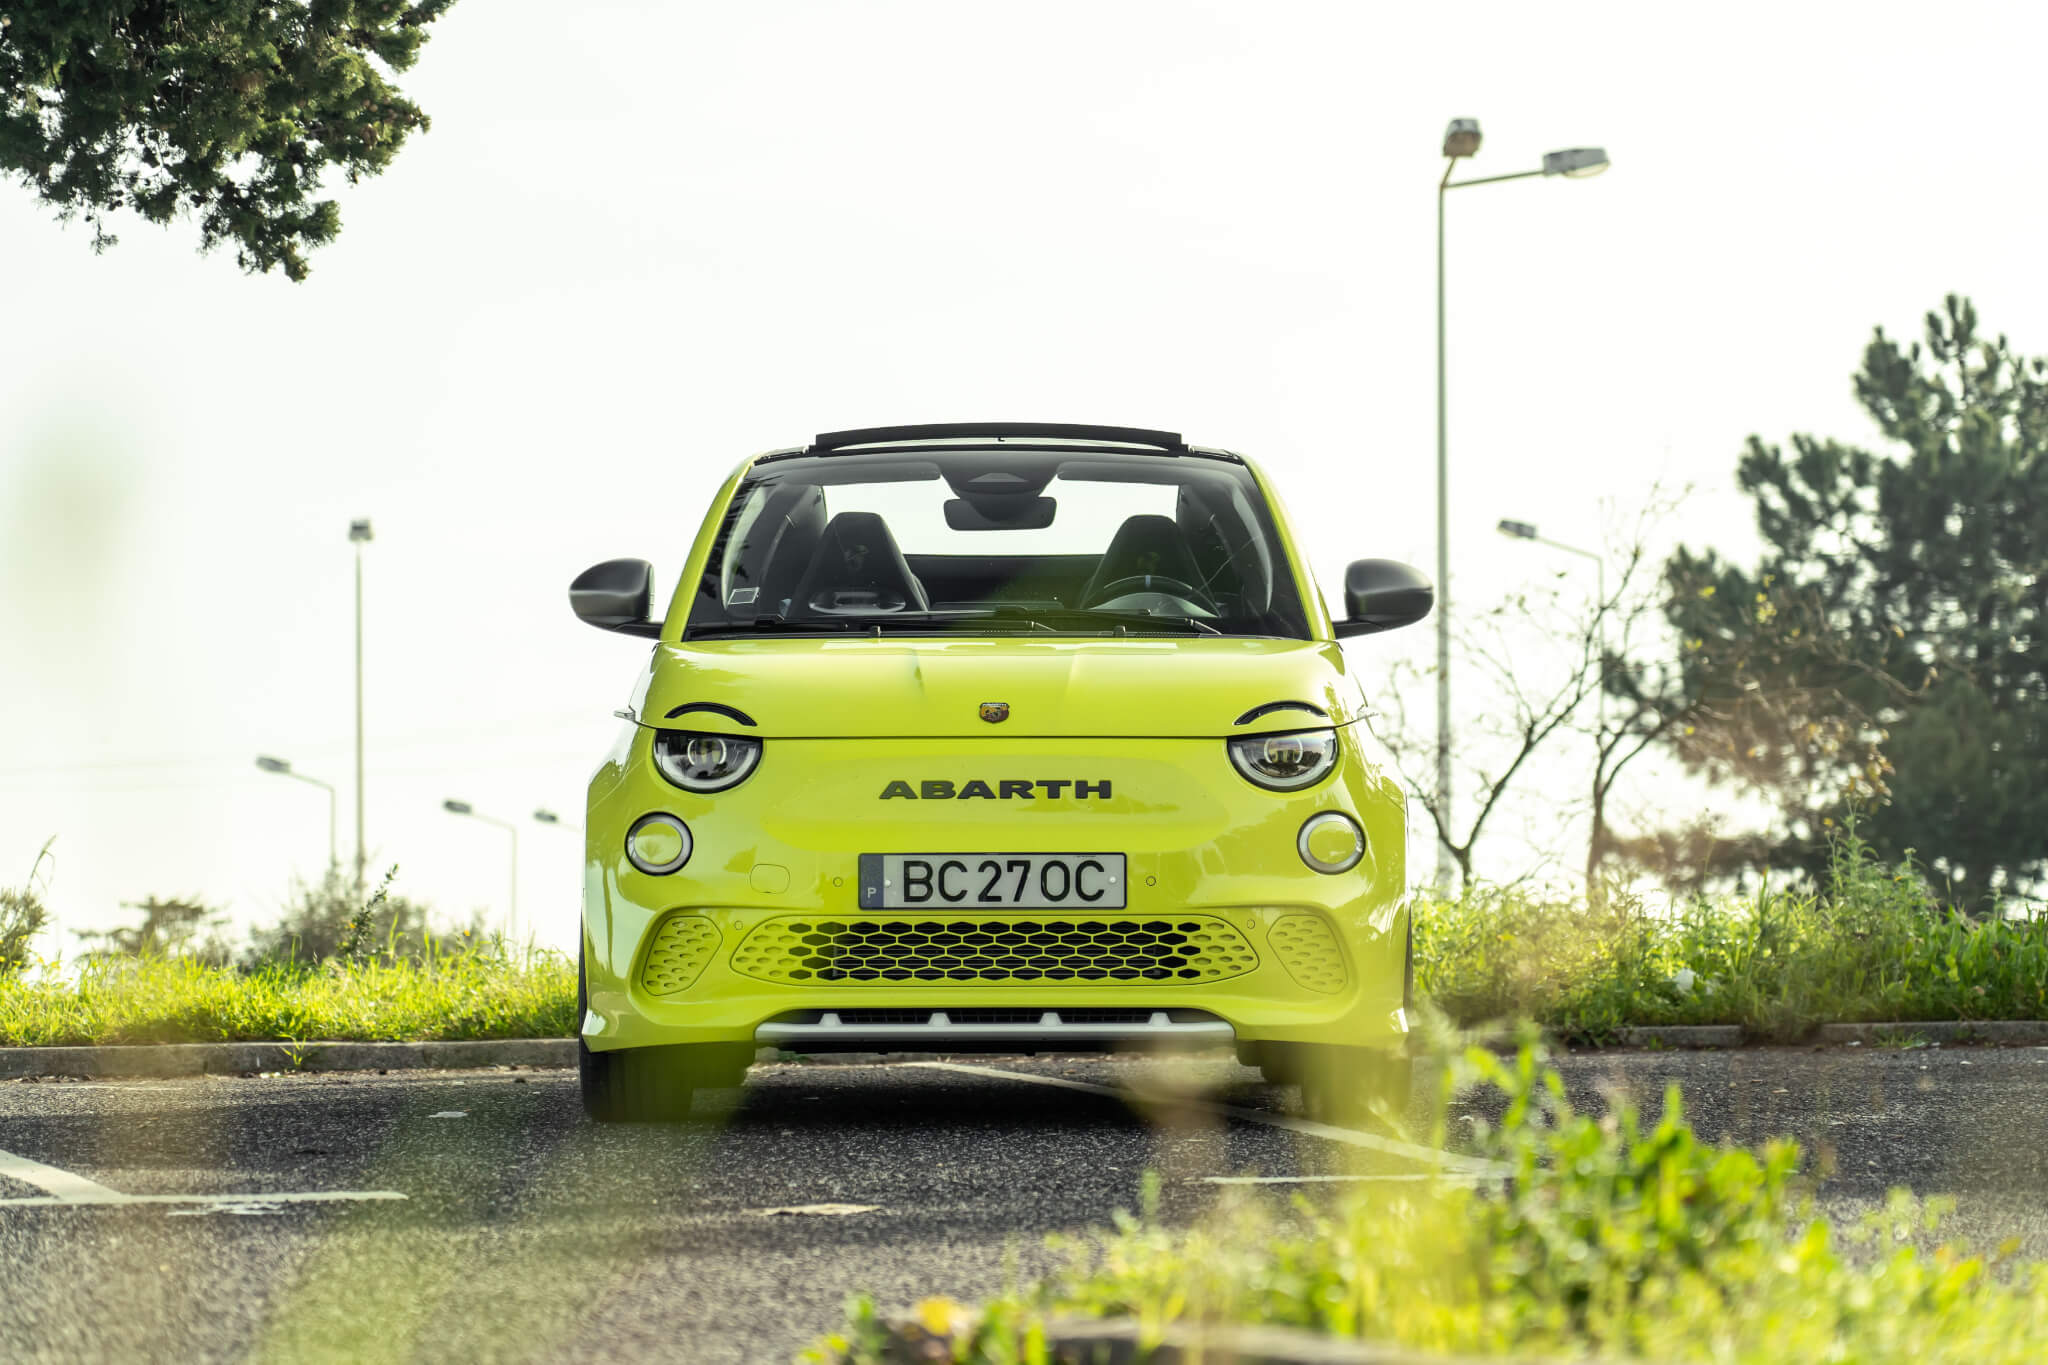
<point x="1011" y="737"/>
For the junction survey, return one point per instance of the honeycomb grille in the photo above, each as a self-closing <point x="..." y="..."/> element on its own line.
<point x="1035" y="950"/>
<point x="681" y="948"/>
<point x="1309" y="951"/>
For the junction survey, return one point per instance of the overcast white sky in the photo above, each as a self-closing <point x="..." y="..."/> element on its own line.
<point x="646" y="239"/>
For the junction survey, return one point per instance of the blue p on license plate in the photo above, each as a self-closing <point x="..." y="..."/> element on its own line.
<point x="992" y="881"/>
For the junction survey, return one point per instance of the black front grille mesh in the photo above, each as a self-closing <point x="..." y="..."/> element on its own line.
<point x="819" y="951"/>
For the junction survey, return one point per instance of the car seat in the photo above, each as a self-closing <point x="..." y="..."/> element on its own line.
<point x="858" y="569"/>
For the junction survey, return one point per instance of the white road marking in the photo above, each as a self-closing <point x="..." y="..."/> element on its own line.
<point x="134" y="1087"/>
<point x="246" y="1208"/>
<point x="116" y="1197"/>
<point x="829" y="1210"/>
<point x="49" y="1179"/>
<point x="65" y="1190"/>
<point x="1372" y="1142"/>
<point x="450" y="1114"/>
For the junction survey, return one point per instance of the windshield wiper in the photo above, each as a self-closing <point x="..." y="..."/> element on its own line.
<point x="1030" y="619"/>
<point x="763" y="625"/>
<point x="1193" y="623"/>
<point x="1115" y="619"/>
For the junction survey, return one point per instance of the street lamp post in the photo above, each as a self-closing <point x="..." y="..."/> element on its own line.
<point x="1596" y="846"/>
<point x="359" y="536"/>
<point x="464" y="808"/>
<point x="1523" y="530"/>
<point x="283" y="768"/>
<point x="548" y="817"/>
<point x="1461" y="139"/>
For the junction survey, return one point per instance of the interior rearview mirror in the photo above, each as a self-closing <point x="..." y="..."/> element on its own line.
<point x="1380" y="594"/>
<point x="1007" y="514"/>
<point x="616" y="595"/>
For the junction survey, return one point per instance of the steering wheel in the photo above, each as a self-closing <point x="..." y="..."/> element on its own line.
<point x="1151" y="582"/>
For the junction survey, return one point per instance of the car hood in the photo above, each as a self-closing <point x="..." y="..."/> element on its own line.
<point x="836" y="688"/>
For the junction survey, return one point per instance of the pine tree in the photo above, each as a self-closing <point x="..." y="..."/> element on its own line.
<point x="1890" y="652"/>
<point x="229" y="110"/>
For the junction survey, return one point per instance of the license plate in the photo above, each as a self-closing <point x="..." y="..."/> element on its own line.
<point x="991" y="881"/>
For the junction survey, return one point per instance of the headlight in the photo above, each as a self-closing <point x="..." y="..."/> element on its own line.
<point x="705" y="763"/>
<point x="1285" y="763"/>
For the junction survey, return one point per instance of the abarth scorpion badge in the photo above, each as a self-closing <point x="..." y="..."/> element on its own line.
<point x="995" y="711"/>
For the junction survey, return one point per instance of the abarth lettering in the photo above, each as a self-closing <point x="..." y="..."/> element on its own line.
<point x="1006" y="789"/>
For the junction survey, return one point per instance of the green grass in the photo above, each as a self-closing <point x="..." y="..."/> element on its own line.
<point x="1613" y="1239"/>
<point x="1875" y="948"/>
<point x="478" y="994"/>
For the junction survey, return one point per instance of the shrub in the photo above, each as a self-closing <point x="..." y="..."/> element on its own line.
<point x="22" y="917"/>
<point x="1875" y="945"/>
<point x="328" y="920"/>
<point x="169" y="928"/>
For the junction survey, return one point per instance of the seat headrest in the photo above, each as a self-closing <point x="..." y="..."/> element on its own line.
<point x="857" y="557"/>
<point x="1146" y="544"/>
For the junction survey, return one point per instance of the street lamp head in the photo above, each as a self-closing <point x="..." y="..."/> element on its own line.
<point x="1462" y="137"/>
<point x="1520" y="530"/>
<point x="359" y="530"/>
<point x="458" y="808"/>
<point x="1577" y="163"/>
<point x="547" y="817"/>
<point x="273" y="765"/>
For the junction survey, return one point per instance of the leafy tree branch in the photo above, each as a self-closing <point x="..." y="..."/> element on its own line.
<point x="231" y="111"/>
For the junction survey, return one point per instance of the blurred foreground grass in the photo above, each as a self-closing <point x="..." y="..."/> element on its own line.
<point x="1610" y="1239"/>
<point x="480" y="993"/>
<point x="1875" y="945"/>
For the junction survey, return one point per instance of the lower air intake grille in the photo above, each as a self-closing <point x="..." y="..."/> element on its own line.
<point x="681" y="948"/>
<point x="1067" y="1016"/>
<point x="1309" y="951"/>
<point x="996" y="952"/>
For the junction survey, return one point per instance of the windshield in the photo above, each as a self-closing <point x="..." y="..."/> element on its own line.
<point x="999" y="541"/>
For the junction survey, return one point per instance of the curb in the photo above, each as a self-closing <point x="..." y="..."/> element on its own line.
<point x="2009" y="1031"/>
<point x="1681" y="1035"/>
<point x="1123" y="1341"/>
<point x="1635" y="1036"/>
<point x="202" y="1059"/>
<point x="1120" y="1342"/>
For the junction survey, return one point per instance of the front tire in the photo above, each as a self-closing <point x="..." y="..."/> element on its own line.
<point x="650" y="1084"/>
<point x="1347" y="1085"/>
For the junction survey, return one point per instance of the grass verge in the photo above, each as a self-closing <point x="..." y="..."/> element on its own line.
<point x="1876" y="947"/>
<point x="479" y="994"/>
<point x="1613" y="1239"/>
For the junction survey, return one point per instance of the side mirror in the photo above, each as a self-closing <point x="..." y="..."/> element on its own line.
<point x="617" y="595"/>
<point x="1381" y="594"/>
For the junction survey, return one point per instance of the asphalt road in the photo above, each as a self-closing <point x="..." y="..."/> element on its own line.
<point x="525" y="1233"/>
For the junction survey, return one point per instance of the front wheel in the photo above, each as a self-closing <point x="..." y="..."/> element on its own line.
<point x="650" y="1084"/>
<point x="1346" y="1085"/>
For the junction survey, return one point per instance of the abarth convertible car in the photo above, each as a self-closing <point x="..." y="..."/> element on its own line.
<point x="1015" y="737"/>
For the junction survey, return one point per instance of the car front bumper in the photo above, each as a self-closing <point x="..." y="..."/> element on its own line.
<point x="1260" y="947"/>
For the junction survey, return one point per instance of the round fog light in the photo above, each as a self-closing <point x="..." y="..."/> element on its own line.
<point x="1331" y="841"/>
<point x="658" y="844"/>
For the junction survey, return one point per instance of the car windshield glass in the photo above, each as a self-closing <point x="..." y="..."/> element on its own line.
<point x="998" y="541"/>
